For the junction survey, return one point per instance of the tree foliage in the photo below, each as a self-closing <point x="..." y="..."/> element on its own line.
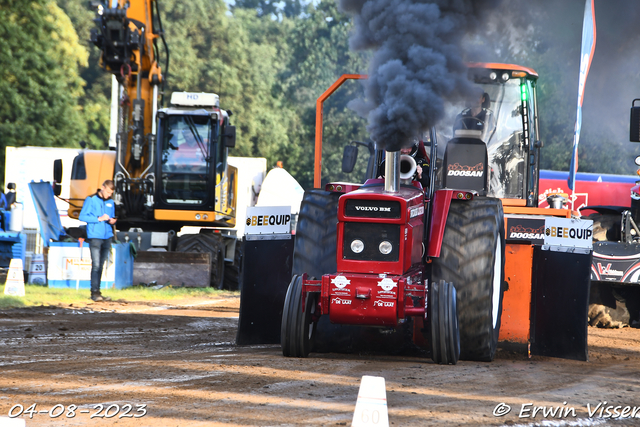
<point x="95" y="104"/>
<point x="39" y="81"/>
<point x="270" y="8"/>
<point x="319" y="54"/>
<point x="269" y="61"/>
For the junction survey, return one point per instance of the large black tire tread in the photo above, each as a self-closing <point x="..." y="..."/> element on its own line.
<point x="316" y="234"/>
<point x="473" y="238"/>
<point x="203" y="243"/>
<point x="443" y="320"/>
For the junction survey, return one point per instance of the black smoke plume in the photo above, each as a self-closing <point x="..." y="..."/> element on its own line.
<point x="417" y="62"/>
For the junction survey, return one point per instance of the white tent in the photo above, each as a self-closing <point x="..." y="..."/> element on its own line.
<point x="279" y="188"/>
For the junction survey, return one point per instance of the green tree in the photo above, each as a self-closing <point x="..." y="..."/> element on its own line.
<point x="95" y="103"/>
<point x="267" y="71"/>
<point x="318" y="53"/>
<point x="270" y="8"/>
<point x="39" y="80"/>
<point x="235" y="56"/>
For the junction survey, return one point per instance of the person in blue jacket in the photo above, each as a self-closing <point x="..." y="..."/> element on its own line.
<point x="98" y="211"/>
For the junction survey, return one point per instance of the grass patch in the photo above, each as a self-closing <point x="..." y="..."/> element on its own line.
<point x="41" y="295"/>
<point x="143" y="293"/>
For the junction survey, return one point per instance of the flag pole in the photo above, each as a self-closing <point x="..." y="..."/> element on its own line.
<point x="586" y="55"/>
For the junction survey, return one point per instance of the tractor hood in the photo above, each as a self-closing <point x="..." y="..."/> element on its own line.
<point x="48" y="217"/>
<point x="380" y="231"/>
<point x="372" y="201"/>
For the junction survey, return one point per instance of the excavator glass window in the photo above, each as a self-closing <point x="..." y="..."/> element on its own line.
<point x="186" y="159"/>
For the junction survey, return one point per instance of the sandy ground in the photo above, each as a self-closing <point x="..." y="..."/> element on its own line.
<point x="177" y="364"/>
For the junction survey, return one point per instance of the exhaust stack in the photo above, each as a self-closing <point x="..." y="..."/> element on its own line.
<point x="392" y="172"/>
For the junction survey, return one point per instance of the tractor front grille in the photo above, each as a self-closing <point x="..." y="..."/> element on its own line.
<point x="371" y="235"/>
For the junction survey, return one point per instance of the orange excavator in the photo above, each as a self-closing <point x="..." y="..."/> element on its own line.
<point x="169" y="165"/>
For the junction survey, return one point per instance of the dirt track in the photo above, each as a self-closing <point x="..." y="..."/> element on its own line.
<point x="181" y="362"/>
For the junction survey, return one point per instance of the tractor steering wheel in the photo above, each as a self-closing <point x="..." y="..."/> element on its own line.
<point x="471" y="123"/>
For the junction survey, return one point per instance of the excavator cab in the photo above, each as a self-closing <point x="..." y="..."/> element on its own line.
<point x="192" y="183"/>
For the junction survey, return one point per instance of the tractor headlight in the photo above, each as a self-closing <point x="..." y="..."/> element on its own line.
<point x="385" y="247"/>
<point x="357" y="246"/>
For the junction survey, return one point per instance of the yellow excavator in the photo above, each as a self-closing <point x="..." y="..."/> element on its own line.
<point x="169" y="165"/>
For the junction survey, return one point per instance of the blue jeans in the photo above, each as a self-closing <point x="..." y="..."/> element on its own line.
<point x="100" y="249"/>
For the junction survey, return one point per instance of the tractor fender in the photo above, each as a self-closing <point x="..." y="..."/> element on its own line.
<point x="439" y="213"/>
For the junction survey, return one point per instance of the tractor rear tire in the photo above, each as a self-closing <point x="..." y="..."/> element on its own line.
<point x="298" y="328"/>
<point x="314" y="252"/>
<point x="443" y="318"/>
<point x="203" y="243"/>
<point x="472" y="260"/>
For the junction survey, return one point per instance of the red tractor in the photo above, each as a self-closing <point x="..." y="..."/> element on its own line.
<point x="389" y="251"/>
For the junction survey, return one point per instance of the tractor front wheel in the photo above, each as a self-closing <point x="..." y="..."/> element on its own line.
<point x="298" y="326"/>
<point x="443" y="318"/>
